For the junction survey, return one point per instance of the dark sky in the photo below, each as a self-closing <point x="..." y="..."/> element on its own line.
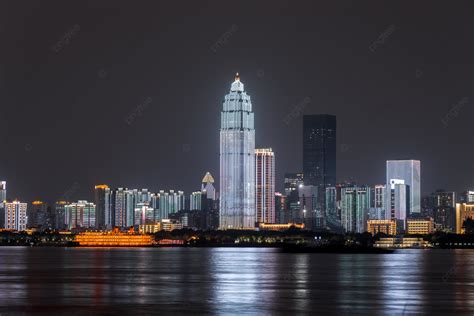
<point x="73" y="73"/>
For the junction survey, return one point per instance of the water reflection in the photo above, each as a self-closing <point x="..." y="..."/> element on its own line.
<point x="241" y="277"/>
<point x="402" y="281"/>
<point x="231" y="280"/>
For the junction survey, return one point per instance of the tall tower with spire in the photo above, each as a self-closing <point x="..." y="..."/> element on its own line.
<point x="237" y="160"/>
<point x="208" y="186"/>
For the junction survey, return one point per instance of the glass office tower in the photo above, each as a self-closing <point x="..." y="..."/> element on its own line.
<point x="319" y="154"/>
<point x="405" y="172"/>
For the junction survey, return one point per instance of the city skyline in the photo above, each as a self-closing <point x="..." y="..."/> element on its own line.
<point x="261" y="157"/>
<point x="153" y="89"/>
<point x="335" y="149"/>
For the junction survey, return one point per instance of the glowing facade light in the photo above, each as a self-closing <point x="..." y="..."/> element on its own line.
<point x="409" y="172"/>
<point x="237" y="160"/>
<point x="265" y="185"/>
<point x="15" y="215"/>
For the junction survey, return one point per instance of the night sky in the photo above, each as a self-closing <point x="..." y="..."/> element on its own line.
<point x="129" y="93"/>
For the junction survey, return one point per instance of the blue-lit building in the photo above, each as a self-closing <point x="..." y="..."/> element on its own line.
<point x="170" y="202"/>
<point x="237" y="160"/>
<point x="355" y="204"/>
<point x="403" y="187"/>
<point x="3" y="192"/>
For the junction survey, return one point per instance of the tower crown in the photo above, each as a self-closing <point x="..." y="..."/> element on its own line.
<point x="237" y="85"/>
<point x="208" y="178"/>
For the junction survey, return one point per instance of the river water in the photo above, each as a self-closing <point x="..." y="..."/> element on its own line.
<point x="78" y="281"/>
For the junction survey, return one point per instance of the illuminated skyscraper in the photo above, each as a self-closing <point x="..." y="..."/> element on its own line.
<point x="15" y="215"/>
<point x="377" y="202"/>
<point x="293" y="181"/>
<point x="144" y="214"/>
<point x="208" y="186"/>
<point x="443" y="205"/>
<point x="209" y="195"/>
<point x="265" y="185"/>
<point x="281" y="211"/>
<point x="81" y="214"/>
<point x="3" y="191"/>
<point x="355" y="203"/>
<point x="237" y="160"/>
<point x="405" y="172"/>
<point x="61" y="218"/>
<point x="467" y="197"/>
<point x="333" y="218"/>
<point x="170" y="203"/>
<point x="195" y="200"/>
<point x="399" y="202"/>
<point x="309" y="213"/>
<point x="121" y="201"/>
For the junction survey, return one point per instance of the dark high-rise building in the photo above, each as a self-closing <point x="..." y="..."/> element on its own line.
<point x="292" y="183"/>
<point x="39" y="216"/>
<point x="102" y="204"/>
<point x="281" y="210"/>
<point x="60" y="215"/>
<point x="443" y="205"/>
<point x="467" y="197"/>
<point x="319" y="154"/>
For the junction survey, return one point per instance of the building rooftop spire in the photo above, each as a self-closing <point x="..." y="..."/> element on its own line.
<point x="208" y="178"/>
<point x="237" y="85"/>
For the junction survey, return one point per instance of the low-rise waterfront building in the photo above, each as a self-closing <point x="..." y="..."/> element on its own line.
<point x="386" y="226"/>
<point x="404" y="242"/>
<point x="280" y="227"/>
<point x="463" y="212"/>
<point x="149" y="228"/>
<point x="420" y="226"/>
<point x="169" y="224"/>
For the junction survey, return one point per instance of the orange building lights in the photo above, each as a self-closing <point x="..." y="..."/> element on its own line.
<point x="113" y="239"/>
